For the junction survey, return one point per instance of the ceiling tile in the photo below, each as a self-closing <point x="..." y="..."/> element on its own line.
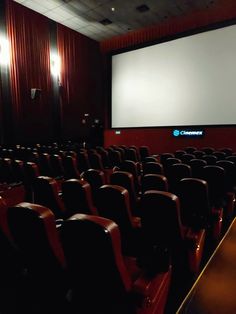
<point x="77" y="7"/>
<point x="69" y="23"/>
<point x="63" y="12"/>
<point x="94" y="16"/>
<point x="92" y="4"/>
<point x="54" y="16"/>
<point x="35" y="6"/>
<point x="80" y="21"/>
<point x="49" y="4"/>
<point x="85" y="15"/>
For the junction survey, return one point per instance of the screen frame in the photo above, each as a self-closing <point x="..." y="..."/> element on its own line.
<point x="164" y="39"/>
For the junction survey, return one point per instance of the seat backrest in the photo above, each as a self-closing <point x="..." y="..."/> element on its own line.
<point x="96" y="178"/>
<point x="190" y="149"/>
<point x="7" y="174"/>
<point x="3" y="220"/>
<point x="57" y="166"/>
<point x="77" y="197"/>
<point x="45" y="164"/>
<point x="231" y="158"/>
<point x="227" y="150"/>
<point x="194" y="202"/>
<point x="197" y="166"/>
<point x="137" y="151"/>
<point x="154" y="182"/>
<point x="153" y="167"/>
<point x="176" y="173"/>
<point x="95" y="160"/>
<point x="13" y="278"/>
<point x="186" y="158"/>
<point x="160" y="218"/>
<point x="46" y="193"/>
<point x="31" y="171"/>
<point x="210" y="159"/>
<point x="104" y="155"/>
<point x="230" y="173"/>
<point x="132" y="167"/>
<point x="144" y="152"/>
<point x="219" y="155"/>
<point x="126" y="180"/>
<point x="198" y="154"/>
<point x="168" y="163"/>
<point x="70" y="167"/>
<point x="122" y="152"/>
<point x="34" y="231"/>
<point x="19" y="170"/>
<point x="149" y="159"/>
<point x="208" y="150"/>
<point x="131" y="154"/>
<point x="113" y="203"/>
<point x="179" y="152"/>
<point x="165" y="156"/>
<point x="93" y="252"/>
<point x="82" y="161"/>
<point x="115" y="157"/>
<point x="215" y="177"/>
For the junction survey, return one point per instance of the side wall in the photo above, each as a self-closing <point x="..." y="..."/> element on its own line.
<point x="58" y="113"/>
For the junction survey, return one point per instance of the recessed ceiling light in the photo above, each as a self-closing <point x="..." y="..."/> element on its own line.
<point x="113" y="9"/>
<point x="142" y="8"/>
<point x="105" y="22"/>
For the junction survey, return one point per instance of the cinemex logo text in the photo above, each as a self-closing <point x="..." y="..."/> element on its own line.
<point x="188" y="133"/>
<point x="176" y="132"/>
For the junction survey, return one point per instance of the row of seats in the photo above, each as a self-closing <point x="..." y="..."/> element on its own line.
<point x="75" y="267"/>
<point x="120" y="178"/>
<point x="148" y="250"/>
<point x="174" y="172"/>
<point x="113" y="201"/>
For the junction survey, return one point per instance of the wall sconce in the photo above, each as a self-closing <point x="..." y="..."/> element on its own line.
<point x="55" y="63"/>
<point x="4" y="51"/>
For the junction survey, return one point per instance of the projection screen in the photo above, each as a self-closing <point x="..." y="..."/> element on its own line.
<point x="190" y="81"/>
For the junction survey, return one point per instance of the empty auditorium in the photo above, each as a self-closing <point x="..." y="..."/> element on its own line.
<point x="117" y="156"/>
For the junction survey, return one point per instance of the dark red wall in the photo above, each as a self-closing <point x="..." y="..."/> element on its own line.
<point x="161" y="139"/>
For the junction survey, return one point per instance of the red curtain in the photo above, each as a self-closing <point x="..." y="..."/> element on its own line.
<point x="80" y="80"/>
<point x="1" y="108"/>
<point x="221" y="10"/>
<point x="29" y="36"/>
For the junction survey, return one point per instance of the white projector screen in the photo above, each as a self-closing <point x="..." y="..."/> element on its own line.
<point x="190" y="81"/>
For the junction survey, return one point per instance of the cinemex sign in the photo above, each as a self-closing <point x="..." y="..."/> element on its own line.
<point x="188" y="133"/>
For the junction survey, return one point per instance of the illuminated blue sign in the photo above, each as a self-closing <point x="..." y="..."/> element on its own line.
<point x="188" y="133"/>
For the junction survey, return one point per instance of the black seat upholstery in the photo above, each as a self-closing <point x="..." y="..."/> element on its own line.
<point x="34" y="231"/>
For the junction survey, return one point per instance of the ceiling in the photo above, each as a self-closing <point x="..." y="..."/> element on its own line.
<point x="85" y="16"/>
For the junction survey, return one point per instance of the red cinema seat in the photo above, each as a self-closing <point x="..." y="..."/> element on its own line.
<point x="100" y="279"/>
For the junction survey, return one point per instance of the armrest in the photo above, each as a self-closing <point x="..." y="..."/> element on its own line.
<point x="230" y="203"/>
<point x="151" y="292"/>
<point x="216" y="222"/>
<point x="217" y="213"/>
<point x="136" y="222"/>
<point x="195" y="238"/>
<point x="195" y="244"/>
<point x="15" y="184"/>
